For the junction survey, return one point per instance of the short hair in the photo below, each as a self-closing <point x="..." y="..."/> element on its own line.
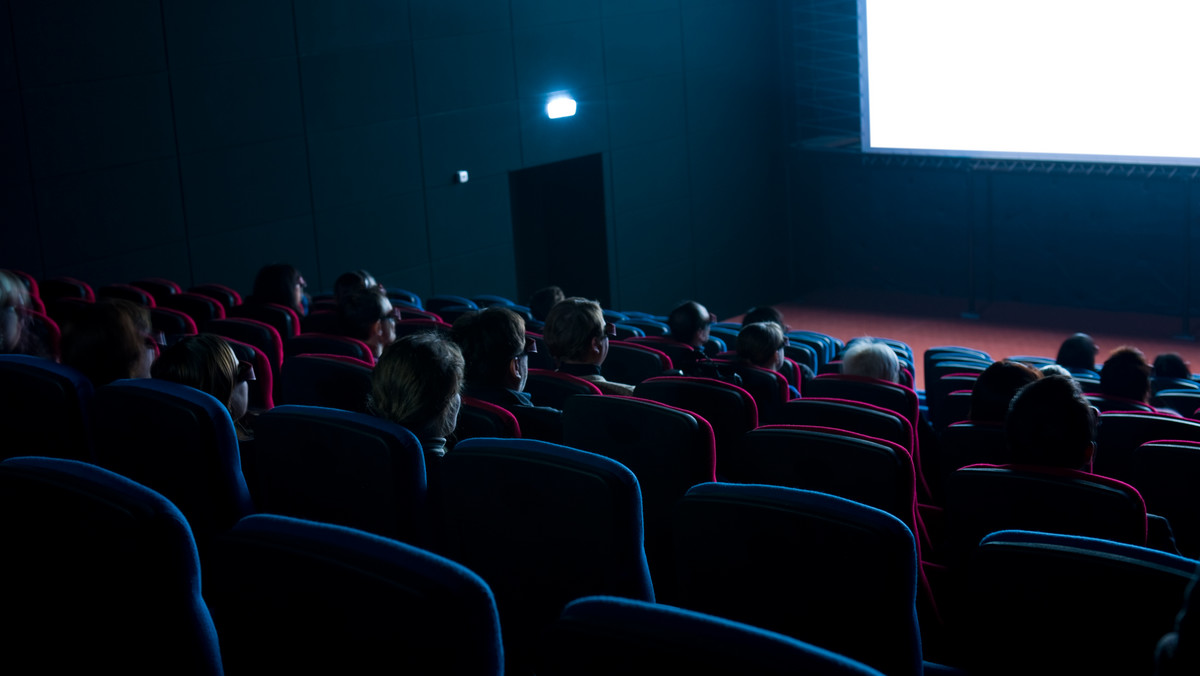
<point x="995" y="387"/>
<point x="489" y="339"/>
<point x="1050" y="423"/>
<point x="1077" y="352"/>
<point x="359" y="310"/>
<point x="759" y="342"/>
<point x="685" y="321"/>
<point x="870" y="358"/>
<point x="1171" y="365"/>
<point x="415" y="383"/>
<point x="349" y="282"/>
<point x="105" y="340"/>
<point x="1126" y="374"/>
<point x="1054" y="370"/>
<point x="764" y="313"/>
<point x="203" y="361"/>
<point x="276" y="283"/>
<point x="542" y="300"/>
<point x="571" y="326"/>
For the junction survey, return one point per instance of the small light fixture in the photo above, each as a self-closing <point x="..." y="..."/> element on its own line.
<point x="560" y="105"/>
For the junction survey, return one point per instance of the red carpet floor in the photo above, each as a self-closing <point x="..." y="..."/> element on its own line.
<point x="1002" y="329"/>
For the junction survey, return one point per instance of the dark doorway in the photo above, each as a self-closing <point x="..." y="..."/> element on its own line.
<point x="559" y="229"/>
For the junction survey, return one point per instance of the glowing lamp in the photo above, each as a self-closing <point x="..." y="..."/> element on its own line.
<point x="560" y="106"/>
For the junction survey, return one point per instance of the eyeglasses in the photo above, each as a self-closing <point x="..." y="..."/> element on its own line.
<point x="389" y="316"/>
<point x="154" y="339"/>
<point x="610" y="330"/>
<point x="530" y="347"/>
<point x="301" y="283"/>
<point x="245" y="372"/>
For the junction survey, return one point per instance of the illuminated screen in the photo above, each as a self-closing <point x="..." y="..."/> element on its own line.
<point x="1089" y="80"/>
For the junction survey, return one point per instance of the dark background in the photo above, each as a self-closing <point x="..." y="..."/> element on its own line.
<point x="200" y="140"/>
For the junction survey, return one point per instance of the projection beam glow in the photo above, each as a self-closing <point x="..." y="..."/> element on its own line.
<point x="560" y="105"/>
<point x="1094" y="80"/>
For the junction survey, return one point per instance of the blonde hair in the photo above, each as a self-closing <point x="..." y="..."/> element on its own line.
<point x="571" y="326"/>
<point x="757" y="343"/>
<point x="416" y="384"/>
<point x="205" y="362"/>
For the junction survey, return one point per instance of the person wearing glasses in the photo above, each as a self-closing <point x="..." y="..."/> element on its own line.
<point x="207" y="363"/>
<point x="109" y="340"/>
<point x="761" y="344"/>
<point x="367" y="315"/>
<point x="13" y="301"/>
<point x="689" y="324"/>
<point x="577" y="337"/>
<point x="281" y="284"/>
<point x="496" y="350"/>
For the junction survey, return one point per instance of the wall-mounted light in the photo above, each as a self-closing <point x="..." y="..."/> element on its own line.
<point x="560" y="105"/>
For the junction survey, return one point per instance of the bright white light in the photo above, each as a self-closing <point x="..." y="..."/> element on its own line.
<point x="560" y="105"/>
<point x="1034" y="78"/>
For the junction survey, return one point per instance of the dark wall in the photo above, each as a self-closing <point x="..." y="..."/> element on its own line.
<point x="197" y="141"/>
<point x="1118" y="237"/>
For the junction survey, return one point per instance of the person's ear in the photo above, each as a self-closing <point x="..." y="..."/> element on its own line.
<point x="1089" y="455"/>
<point x="597" y="345"/>
<point x="514" y="369"/>
<point x="377" y="328"/>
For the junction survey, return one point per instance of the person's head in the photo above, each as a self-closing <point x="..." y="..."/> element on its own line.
<point x="1051" y="423"/>
<point x="995" y="387"/>
<point x="577" y="333"/>
<point x="207" y="363"/>
<point x="870" y="358"/>
<point x="494" y="345"/>
<point x="282" y="284"/>
<point x="347" y="282"/>
<point x="109" y="340"/>
<point x="366" y="314"/>
<point x="1078" y="352"/>
<point x="1171" y="365"/>
<point x="13" y="299"/>
<point x="1054" y="370"/>
<point x="416" y="383"/>
<point x="764" y="313"/>
<point x="689" y="323"/>
<point x="761" y="344"/>
<point x="543" y="300"/>
<point x="1126" y="374"/>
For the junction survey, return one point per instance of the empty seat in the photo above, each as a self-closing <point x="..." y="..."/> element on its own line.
<point x="1165" y="473"/>
<point x="631" y="363"/>
<point x="819" y="568"/>
<point x="283" y="319"/>
<point x="332" y="381"/>
<point x="157" y="287"/>
<point x="324" y="343"/>
<point x="728" y="408"/>
<point x="295" y="596"/>
<point x="543" y="524"/>
<point x="478" y="418"/>
<point x="603" y="635"/>
<point x="100" y="575"/>
<point x="180" y="442"/>
<point x="1041" y="603"/>
<point x="1121" y="433"/>
<point x="126" y="292"/>
<point x="341" y="467"/>
<point x="202" y="309"/>
<point x="227" y="296"/>
<point x="551" y="388"/>
<point x="45" y="409"/>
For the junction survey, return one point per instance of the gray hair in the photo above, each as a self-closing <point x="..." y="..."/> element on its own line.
<point x="871" y="358"/>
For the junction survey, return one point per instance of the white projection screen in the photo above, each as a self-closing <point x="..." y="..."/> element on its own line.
<point x="1084" y="80"/>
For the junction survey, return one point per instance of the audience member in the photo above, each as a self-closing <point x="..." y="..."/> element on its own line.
<point x="577" y="337"/>
<point x="417" y="383"/>
<point x="496" y="350"/>
<point x="13" y="300"/>
<point x="281" y="284"/>
<point x="1126" y="376"/>
<point x="207" y="363"/>
<point x="1054" y="370"/>
<point x="761" y="344"/>
<point x="1051" y="424"/>
<point x="367" y="314"/>
<point x="355" y="280"/>
<point x="1170" y="372"/>
<point x="542" y="301"/>
<point x="1078" y="353"/>
<point x="109" y="340"/>
<point x="995" y="387"/>
<point x="689" y="324"/>
<point x="764" y="313"/>
<point x="869" y="358"/>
